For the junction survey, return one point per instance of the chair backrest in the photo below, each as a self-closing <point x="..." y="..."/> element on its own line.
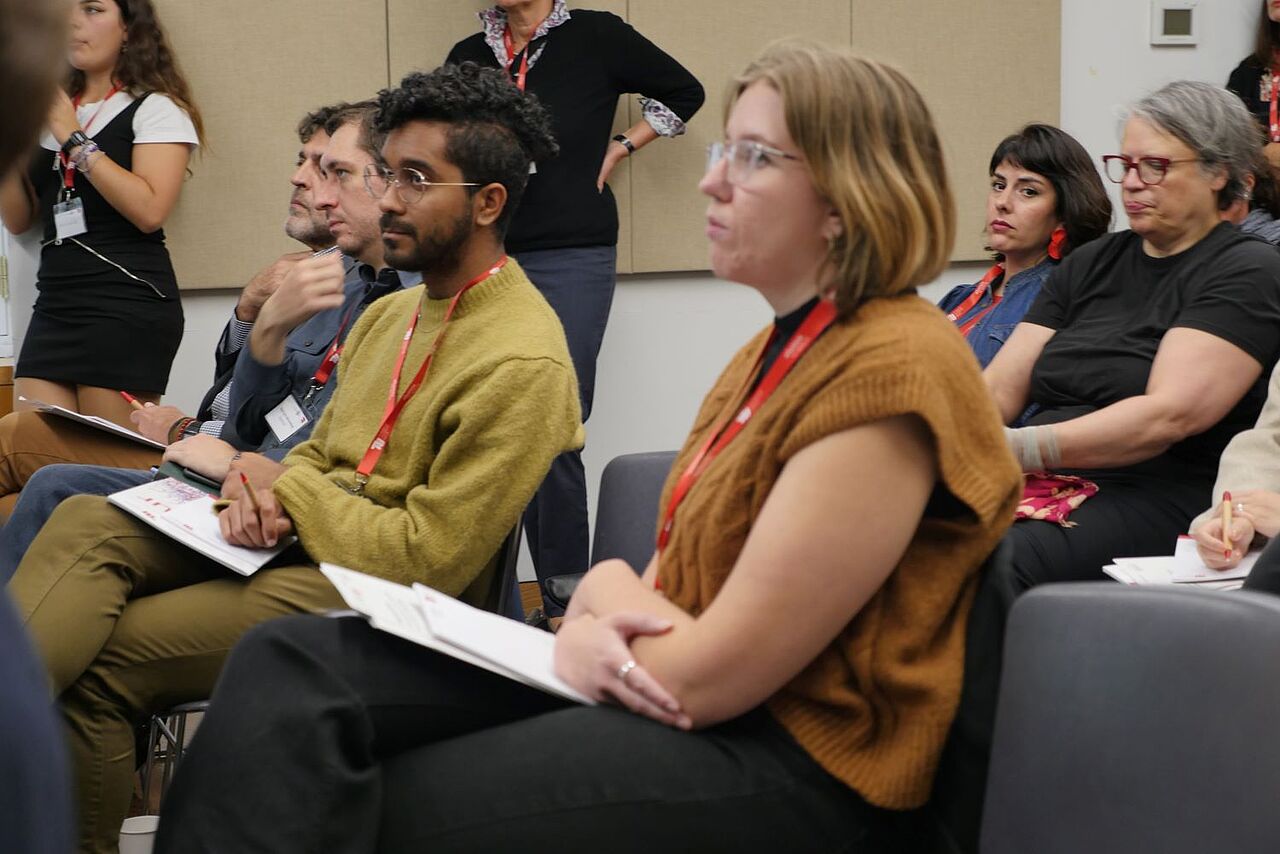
<point x="627" y="508"/>
<point x="1137" y="719"/>
<point x="961" y="781"/>
<point x="504" y="592"/>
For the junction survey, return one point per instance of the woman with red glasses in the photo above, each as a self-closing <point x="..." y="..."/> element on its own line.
<point x="1148" y="349"/>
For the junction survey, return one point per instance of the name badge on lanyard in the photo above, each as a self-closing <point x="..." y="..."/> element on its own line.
<point x="68" y="218"/>
<point x="68" y="214"/>
<point x="286" y="419"/>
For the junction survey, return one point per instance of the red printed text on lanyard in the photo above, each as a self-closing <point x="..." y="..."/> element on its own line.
<point x="819" y="318"/>
<point x="395" y="405"/>
<point x="1273" y="129"/>
<point x="331" y="358"/>
<point x="524" y="55"/>
<point x="974" y="298"/>
<point x="68" y="173"/>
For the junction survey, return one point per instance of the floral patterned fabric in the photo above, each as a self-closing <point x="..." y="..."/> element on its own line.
<point x="1052" y="497"/>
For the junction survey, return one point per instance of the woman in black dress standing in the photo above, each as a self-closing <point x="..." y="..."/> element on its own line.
<point x="106" y="176"/>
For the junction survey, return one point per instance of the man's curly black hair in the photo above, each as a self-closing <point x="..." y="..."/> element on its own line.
<point x="496" y="130"/>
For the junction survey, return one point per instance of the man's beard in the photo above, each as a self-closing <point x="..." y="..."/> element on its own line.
<point x="308" y="226"/>
<point x="437" y="253"/>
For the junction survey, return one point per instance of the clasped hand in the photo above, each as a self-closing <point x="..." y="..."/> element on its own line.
<point x="590" y="653"/>
<point x="244" y="524"/>
<point x="309" y="287"/>
<point x="62" y="120"/>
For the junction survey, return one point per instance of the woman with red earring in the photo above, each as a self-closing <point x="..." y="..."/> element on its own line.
<point x="1046" y="199"/>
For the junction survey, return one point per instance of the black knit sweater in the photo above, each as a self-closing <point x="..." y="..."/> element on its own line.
<point x="587" y="63"/>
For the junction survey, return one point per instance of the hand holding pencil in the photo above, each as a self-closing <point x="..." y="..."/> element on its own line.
<point x="253" y="517"/>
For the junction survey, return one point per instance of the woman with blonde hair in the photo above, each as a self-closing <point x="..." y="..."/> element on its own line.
<point x="104" y="179"/>
<point x="790" y="661"/>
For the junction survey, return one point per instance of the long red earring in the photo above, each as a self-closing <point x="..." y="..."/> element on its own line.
<point x="1056" y="240"/>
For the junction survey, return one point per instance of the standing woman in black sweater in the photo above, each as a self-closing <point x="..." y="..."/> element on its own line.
<point x="565" y="232"/>
<point x="102" y="182"/>
<point x="1256" y="80"/>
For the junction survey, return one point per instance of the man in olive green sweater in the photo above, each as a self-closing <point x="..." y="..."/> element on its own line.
<point x="453" y="399"/>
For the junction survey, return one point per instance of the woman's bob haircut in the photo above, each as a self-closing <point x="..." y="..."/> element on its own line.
<point x="872" y="151"/>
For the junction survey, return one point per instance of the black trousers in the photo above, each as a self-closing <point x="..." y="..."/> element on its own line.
<point x="1131" y="516"/>
<point x="328" y="735"/>
<point x="579" y="284"/>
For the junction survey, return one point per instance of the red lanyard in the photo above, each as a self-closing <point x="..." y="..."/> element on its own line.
<point x="68" y="174"/>
<point x="819" y="318"/>
<point x="331" y="358"/>
<point x="979" y="291"/>
<point x="524" y="57"/>
<point x="395" y="405"/>
<point x="1274" y="134"/>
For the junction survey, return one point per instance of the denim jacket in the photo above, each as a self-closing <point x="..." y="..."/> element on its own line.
<point x="258" y="388"/>
<point x="989" y="334"/>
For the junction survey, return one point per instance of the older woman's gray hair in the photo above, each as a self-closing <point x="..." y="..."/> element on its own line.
<point x="1210" y="121"/>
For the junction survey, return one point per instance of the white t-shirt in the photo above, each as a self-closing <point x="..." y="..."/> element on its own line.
<point x="159" y="119"/>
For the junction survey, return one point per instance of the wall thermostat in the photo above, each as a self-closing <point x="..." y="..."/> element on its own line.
<point x="1174" y="22"/>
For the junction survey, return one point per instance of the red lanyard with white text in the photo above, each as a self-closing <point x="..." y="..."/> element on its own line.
<point x="524" y="55"/>
<point x="396" y="404"/>
<point x="68" y="173"/>
<point x="1274" y="130"/>
<point x="330" y="361"/>
<point x="979" y="291"/>
<point x="819" y="318"/>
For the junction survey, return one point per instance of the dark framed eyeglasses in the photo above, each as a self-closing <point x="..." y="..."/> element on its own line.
<point x="410" y="184"/>
<point x="1151" y="170"/>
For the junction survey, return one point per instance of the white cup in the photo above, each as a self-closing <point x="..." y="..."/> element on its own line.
<point x="138" y="834"/>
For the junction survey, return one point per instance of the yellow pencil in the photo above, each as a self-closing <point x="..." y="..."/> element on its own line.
<point x="248" y="487"/>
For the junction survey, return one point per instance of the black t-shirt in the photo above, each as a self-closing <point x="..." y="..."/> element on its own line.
<point x="1246" y="83"/>
<point x="1111" y="305"/>
<point x="585" y="65"/>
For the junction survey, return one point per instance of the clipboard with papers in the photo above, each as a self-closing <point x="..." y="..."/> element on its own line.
<point x="431" y="619"/>
<point x="91" y="421"/>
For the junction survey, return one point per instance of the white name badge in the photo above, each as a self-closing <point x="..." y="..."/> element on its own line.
<point x="68" y="218"/>
<point x="286" y="419"/>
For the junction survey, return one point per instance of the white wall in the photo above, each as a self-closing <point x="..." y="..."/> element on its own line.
<point x="1108" y="63"/>
<point x="670" y="334"/>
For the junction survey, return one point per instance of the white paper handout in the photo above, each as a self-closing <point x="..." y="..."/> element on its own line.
<point x="91" y="421"/>
<point x="185" y="513"/>
<point x="436" y="621"/>
<point x="1183" y="567"/>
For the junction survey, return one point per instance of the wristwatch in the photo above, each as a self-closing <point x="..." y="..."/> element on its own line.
<point x="622" y="140"/>
<point x="77" y="138"/>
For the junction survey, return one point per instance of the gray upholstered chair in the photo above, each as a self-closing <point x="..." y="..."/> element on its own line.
<point x="1136" y="720"/>
<point x="626" y="518"/>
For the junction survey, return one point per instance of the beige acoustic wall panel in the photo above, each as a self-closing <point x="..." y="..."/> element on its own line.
<point x="256" y="68"/>
<point x="985" y="67"/>
<point x="421" y="34"/>
<point x="714" y="39"/>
